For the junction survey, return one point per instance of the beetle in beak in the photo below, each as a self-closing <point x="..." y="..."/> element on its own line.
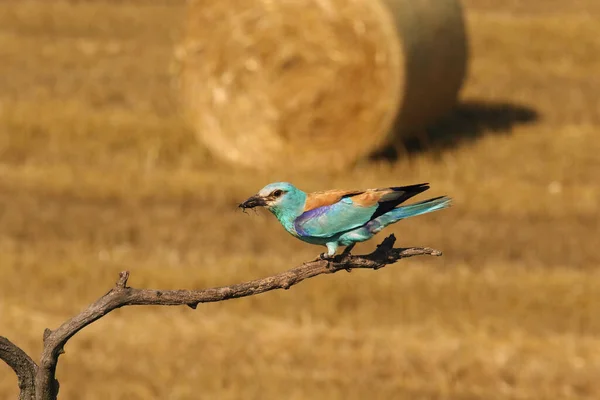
<point x="254" y="201"/>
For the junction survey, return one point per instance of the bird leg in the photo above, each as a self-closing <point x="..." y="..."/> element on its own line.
<point x="348" y="249"/>
<point x="331" y="249"/>
<point x="346" y="253"/>
<point x="330" y="255"/>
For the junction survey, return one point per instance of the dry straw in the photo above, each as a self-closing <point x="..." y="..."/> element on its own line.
<point x="317" y="83"/>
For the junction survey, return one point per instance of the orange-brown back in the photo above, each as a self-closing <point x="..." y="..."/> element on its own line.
<point x="363" y="198"/>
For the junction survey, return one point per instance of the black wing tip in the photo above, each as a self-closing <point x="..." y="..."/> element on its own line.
<point x="418" y="188"/>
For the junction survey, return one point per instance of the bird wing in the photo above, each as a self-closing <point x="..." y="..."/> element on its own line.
<point x="327" y="198"/>
<point x="332" y="212"/>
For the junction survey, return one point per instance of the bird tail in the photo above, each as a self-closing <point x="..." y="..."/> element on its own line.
<point x="411" y="210"/>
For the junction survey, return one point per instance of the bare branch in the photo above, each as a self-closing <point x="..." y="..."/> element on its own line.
<point x="23" y="366"/>
<point x="46" y="386"/>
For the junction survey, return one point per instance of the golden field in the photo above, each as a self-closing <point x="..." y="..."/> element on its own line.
<point x="99" y="173"/>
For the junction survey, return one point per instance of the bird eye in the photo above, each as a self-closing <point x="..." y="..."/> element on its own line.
<point x="277" y="193"/>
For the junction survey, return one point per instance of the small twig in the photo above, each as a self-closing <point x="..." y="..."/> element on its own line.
<point x="46" y="386"/>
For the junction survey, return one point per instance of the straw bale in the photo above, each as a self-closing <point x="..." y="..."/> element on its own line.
<point x="316" y="83"/>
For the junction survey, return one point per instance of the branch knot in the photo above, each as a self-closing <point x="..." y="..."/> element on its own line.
<point x="122" y="281"/>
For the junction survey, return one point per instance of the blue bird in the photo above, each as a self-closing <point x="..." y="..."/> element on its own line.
<point x="341" y="217"/>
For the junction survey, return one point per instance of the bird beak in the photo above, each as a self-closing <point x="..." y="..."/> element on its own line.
<point x="254" y="201"/>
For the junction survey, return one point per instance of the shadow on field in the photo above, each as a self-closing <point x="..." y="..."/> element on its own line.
<point x="468" y="122"/>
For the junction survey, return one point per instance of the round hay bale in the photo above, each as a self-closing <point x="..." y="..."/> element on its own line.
<point x="435" y="60"/>
<point x="314" y="83"/>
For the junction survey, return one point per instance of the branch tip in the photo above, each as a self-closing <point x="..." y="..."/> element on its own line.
<point x="387" y="244"/>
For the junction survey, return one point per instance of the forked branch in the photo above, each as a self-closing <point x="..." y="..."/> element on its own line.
<point x="46" y="386"/>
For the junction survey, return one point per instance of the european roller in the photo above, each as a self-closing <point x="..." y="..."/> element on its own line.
<point x="336" y="218"/>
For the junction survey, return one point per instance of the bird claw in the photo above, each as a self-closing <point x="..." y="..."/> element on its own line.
<point x="324" y="256"/>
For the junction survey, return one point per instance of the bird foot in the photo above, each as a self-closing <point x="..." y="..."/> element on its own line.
<point x="324" y="256"/>
<point x="327" y="257"/>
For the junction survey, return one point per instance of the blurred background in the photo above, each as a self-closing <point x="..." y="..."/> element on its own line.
<point x="101" y="171"/>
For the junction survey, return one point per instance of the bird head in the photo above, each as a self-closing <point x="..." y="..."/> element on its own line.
<point x="277" y="197"/>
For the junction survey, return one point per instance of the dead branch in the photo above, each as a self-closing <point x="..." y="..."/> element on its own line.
<point x="45" y="386"/>
<point x="23" y="366"/>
